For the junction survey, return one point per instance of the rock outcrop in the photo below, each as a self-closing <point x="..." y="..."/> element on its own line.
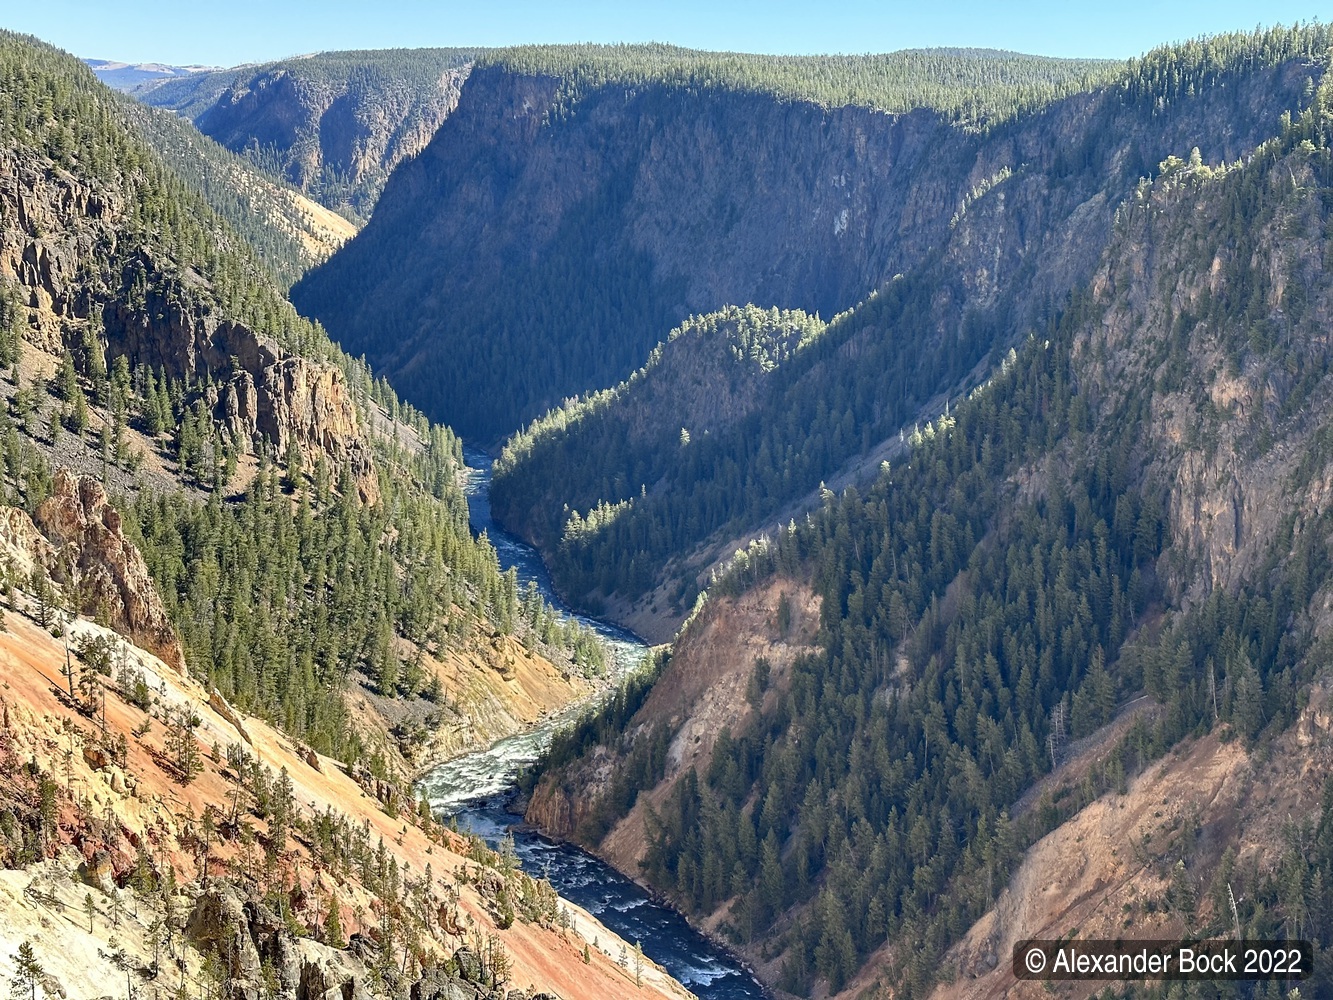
<point x="219" y="704"/>
<point x="262" y="390"/>
<point x="1235" y="439"/>
<point x="22" y="544"/>
<point x="62" y="243"/>
<point x="560" y="809"/>
<point x="247" y="936"/>
<point x="82" y="547"/>
<point x="218" y="923"/>
<point x="101" y="568"/>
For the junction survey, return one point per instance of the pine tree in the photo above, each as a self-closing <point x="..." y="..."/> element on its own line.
<point x="182" y="746"/>
<point x="67" y="382"/>
<point x="28" y="973"/>
<point x="333" y="927"/>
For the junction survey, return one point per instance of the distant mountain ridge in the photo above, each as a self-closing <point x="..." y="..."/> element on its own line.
<point x="289" y="231"/>
<point x="334" y="124"/>
<point x="131" y="76"/>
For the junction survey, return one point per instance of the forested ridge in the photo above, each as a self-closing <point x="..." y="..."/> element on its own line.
<point x="1031" y="565"/>
<point x="59" y="110"/>
<point x="282" y="599"/>
<point x="976" y="86"/>
<point x="416" y="68"/>
<point x="612" y="503"/>
<point x="345" y="553"/>
<point x="673" y="409"/>
<point x="333" y="123"/>
<point x="262" y="208"/>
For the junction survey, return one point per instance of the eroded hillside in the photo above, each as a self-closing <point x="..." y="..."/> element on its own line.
<point x="155" y="837"/>
<point x="1099" y="580"/>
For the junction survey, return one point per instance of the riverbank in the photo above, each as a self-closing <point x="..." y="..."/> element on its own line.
<point x="516" y="806"/>
<point x="704" y="964"/>
<point x="473" y="788"/>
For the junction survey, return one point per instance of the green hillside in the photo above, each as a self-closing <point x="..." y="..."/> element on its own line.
<point x="176" y="341"/>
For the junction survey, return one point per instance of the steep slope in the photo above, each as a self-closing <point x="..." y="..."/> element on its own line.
<point x="156" y="838"/>
<point x="632" y="522"/>
<point x="580" y="203"/>
<point x="334" y="124"/>
<point x="1160" y="857"/>
<point x="1120" y="542"/>
<point x="288" y="231"/>
<point x="105" y="253"/>
<point x="146" y="344"/>
<point x="292" y="543"/>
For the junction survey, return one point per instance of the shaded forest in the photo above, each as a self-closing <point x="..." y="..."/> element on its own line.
<point x="1005" y="587"/>
<point x="611" y="505"/>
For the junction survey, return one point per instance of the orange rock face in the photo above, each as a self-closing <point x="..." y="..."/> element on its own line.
<point x="90" y="554"/>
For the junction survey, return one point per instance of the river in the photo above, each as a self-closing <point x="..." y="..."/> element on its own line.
<point x="476" y="787"/>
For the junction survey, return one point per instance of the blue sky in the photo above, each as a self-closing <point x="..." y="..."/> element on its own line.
<point x="239" y="31"/>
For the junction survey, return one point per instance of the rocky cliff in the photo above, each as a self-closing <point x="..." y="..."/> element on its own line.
<point x="80" y="547"/>
<point x="263" y="391"/>
<point x="606" y="221"/>
<point x="725" y="667"/>
<point x="334" y="124"/>
<point x="101" y="568"/>
<point x="67" y="246"/>
<point x="1235" y="419"/>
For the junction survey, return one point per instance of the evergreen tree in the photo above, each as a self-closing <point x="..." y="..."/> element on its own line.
<point x="28" y="973"/>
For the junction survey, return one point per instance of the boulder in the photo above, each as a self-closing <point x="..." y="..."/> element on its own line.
<point x="98" y="871"/>
<point x="96" y="757"/>
<point x="469" y="964"/>
<point x="326" y="973"/>
<point x="273" y="942"/>
<point x="436" y="984"/>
